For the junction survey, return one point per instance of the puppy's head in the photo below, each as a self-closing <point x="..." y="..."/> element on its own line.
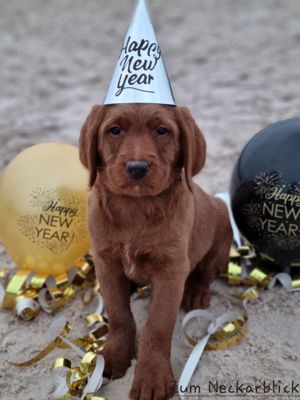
<point x="139" y="150"/>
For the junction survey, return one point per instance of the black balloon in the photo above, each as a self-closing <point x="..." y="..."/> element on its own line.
<point x="265" y="192"/>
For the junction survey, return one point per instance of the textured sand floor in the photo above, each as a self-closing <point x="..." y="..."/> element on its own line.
<point x="234" y="63"/>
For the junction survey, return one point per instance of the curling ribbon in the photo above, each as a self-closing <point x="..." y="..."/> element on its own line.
<point x="222" y="332"/>
<point x="2" y="293"/>
<point x="93" y="341"/>
<point x="235" y="230"/>
<point x="28" y="293"/>
<point x="83" y="380"/>
<point x="86" y="379"/>
<point x="291" y="285"/>
<point x="242" y="270"/>
<point x="79" y="382"/>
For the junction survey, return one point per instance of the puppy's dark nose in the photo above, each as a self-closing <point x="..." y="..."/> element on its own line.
<point x="137" y="169"/>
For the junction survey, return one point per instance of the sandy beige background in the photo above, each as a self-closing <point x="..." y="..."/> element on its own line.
<point x="235" y="63"/>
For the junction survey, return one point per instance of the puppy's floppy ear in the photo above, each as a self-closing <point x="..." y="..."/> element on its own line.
<point x="88" y="142"/>
<point x="193" y="145"/>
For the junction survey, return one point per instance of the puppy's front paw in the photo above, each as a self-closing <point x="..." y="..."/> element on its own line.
<point x="195" y="297"/>
<point x="117" y="355"/>
<point x="152" y="382"/>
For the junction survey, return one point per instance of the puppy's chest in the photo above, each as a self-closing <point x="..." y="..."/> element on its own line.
<point x="134" y="264"/>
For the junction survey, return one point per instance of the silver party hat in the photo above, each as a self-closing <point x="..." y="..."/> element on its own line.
<point x="140" y="75"/>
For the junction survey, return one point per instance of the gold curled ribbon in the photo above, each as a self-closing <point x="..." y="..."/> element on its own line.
<point x="226" y="334"/>
<point x="94" y="398"/>
<point x="14" y="288"/>
<point x="229" y="335"/>
<point x="56" y="343"/>
<point x="83" y="380"/>
<point x="27" y="308"/>
<point x="4" y="274"/>
<point x="296" y="283"/>
<point x="94" y="340"/>
<point x="28" y="292"/>
<point x="222" y="332"/>
<point x="244" y="259"/>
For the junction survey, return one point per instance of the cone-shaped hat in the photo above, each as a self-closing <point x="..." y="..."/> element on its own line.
<point x="140" y="75"/>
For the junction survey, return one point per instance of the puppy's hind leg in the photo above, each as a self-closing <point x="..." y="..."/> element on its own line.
<point x="197" y="286"/>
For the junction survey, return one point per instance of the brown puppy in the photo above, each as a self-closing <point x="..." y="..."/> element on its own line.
<point x="149" y="223"/>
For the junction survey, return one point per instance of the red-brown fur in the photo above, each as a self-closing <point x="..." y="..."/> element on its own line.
<point x="163" y="231"/>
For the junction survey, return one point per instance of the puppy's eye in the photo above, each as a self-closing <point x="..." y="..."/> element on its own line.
<point x="115" y="131"/>
<point x="161" y="131"/>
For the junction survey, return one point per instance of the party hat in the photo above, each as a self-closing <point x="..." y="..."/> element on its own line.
<point x="140" y="75"/>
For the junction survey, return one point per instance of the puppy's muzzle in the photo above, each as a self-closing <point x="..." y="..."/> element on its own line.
<point x="137" y="170"/>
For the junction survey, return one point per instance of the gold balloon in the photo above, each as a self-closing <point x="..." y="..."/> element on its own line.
<point x="43" y="200"/>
